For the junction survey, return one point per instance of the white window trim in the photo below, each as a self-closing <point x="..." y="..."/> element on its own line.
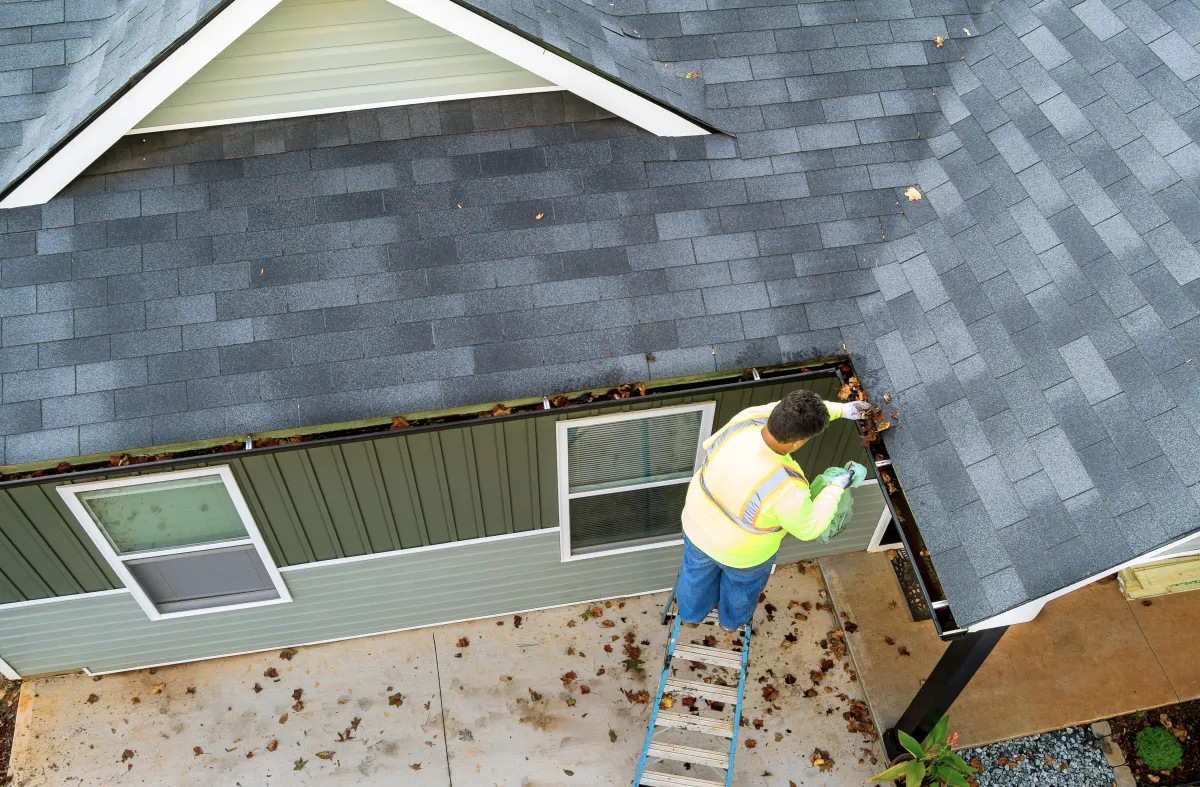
<point x="7" y="671"/>
<point x="706" y="409"/>
<point x="70" y="495"/>
<point x="181" y="65"/>
<point x="885" y="518"/>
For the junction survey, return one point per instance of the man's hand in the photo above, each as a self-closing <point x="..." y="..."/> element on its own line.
<point x="855" y="411"/>
<point x="851" y="475"/>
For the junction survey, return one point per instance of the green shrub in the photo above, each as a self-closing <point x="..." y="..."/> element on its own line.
<point x="1158" y="749"/>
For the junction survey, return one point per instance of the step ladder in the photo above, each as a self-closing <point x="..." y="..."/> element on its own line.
<point x="723" y="730"/>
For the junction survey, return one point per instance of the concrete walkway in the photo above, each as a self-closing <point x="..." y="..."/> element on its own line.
<point x="469" y="705"/>
<point x="1089" y="655"/>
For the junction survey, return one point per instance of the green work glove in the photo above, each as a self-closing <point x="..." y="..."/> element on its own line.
<point x="845" y="477"/>
<point x="858" y="473"/>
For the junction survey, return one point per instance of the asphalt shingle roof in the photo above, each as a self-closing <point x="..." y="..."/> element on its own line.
<point x="62" y="60"/>
<point x="1035" y="315"/>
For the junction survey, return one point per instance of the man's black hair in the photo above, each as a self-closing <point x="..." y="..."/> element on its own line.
<point x="798" y="416"/>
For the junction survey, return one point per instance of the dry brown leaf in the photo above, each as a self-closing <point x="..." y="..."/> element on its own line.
<point x="127" y="755"/>
<point x="416" y="766"/>
<point x="938" y="41"/>
<point x="273" y="745"/>
<point x="297" y="694"/>
<point x="283" y="719"/>
<point x="396" y="700"/>
<point x="325" y="755"/>
<point x="913" y="194"/>
<point x="463" y="642"/>
<point x="287" y="653"/>
<point x="271" y="672"/>
<point x="197" y="751"/>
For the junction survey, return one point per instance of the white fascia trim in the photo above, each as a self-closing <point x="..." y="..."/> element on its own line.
<point x="619" y="100"/>
<point x="38" y="602"/>
<point x="375" y="633"/>
<point x="339" y="561"/>
<point x="885" y="518"/>
<point x="1029" y="610"/>
<point x="355" y="108"/>
<point x="8" y="671"/>
<point x="137" y="102"/>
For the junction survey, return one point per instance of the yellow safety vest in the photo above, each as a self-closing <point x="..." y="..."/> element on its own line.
<point x="745" y="497"/>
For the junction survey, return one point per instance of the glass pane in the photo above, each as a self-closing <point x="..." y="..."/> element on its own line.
<point x="637" y="516"/>
<point x="634" y="451"/>
<point x="200" y="580"/>
<point x="164" y="514"/>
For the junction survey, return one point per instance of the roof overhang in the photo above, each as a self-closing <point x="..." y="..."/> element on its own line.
<point x="85" y="144"/>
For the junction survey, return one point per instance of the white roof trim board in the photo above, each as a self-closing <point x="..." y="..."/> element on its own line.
<point x="240" y="15"/>
<point x="110" y="125"/>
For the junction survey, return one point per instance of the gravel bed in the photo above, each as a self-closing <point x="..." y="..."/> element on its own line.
<point x="1069" y="757"/>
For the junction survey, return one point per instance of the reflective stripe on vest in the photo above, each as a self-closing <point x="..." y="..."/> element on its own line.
<point x="774" y="483"/>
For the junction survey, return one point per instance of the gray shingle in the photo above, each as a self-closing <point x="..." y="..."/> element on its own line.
<point x="1066" y="472"/>
<point x="1089" y="370"/>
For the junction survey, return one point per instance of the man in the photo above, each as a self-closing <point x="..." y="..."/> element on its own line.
<point x="748" y="493"/>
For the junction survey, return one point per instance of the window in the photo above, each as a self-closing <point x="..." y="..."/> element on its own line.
<point x="622" y="478"/>
<point x="183" y="543"/>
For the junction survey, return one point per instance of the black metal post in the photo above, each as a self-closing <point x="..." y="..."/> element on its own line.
<point x="949" y="677"/>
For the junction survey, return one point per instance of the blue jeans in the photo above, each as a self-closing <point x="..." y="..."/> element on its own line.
<point x="704" y="583"/>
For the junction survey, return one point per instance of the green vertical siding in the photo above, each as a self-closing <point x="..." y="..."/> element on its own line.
<point x="43" y="551"/>
<point x="401" y="590"/>
<point x="396" y="490"/>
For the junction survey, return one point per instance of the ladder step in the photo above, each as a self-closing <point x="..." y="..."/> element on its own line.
<point x="708" y="691"/>
<point x="656" y="779"/>
<point x="686" y="721"/>
<point x="672" y="751"/>
<point x="713" y="656"/>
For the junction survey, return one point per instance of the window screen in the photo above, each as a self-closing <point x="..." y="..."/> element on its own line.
<point x="182" y="542"/>
<point x="626" y="477"/>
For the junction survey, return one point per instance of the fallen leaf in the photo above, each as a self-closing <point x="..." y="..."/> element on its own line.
<point x="966" y="32"/>
<point x="325" y="755"/>
<point x="136" y="700"/>
<point x="533" y="695"/>
<point x="271" y="673"/>
<point x="913" y="194"/>
<point x="569" y="773"/>
<point x="608" y="624"/>
<point x="571" y="702"/>
<point x="641" y="697"/>
<point x="821" y="759"/>
<point x="903" y="651"/>
<point x="789" y="679"/>
<point x="273" y="745"/>
<point x="298" y="765"/>
<point x="568" y="678"/>
<point x="770" y="693"/>
<point x="283" y="719"/>
<point x="396" y="700"/>
<point x="751" y="743"/>
<point x="516" y="621"/>
<point x="539" y="216"/>
<point x="650" y="356"/>
<point x="190" y="690"/>
<point x="92" y="698"/>
<point x="584" y="689"/>
<point x="463" y="642"/>
<point x="287" y="653"/>
<point x="667" y="702"/>
<point x="299" y="706"/>
<point x="416" y="766"/>
<point x="127" y="755"/>
<point x="297" y="694"/>
<point x="938" y="41"/>
<point x="197" y="751"/>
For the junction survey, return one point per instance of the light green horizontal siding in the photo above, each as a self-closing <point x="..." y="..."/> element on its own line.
<point x="471" y="579"/>
<point x="309" y="56"/>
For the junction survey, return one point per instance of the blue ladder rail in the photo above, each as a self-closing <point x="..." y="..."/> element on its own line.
<point x="702" y="757"/>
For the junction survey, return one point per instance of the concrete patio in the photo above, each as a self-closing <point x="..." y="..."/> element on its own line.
<point x="483" y="703"/>
<point x="1089" y="655"/>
